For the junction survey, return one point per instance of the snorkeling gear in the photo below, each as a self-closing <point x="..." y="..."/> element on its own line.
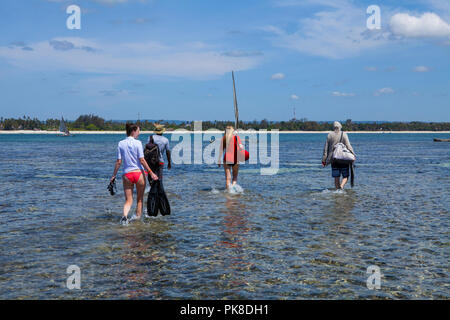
<point x="157" y="200"/>
<point x="112" y="188"/>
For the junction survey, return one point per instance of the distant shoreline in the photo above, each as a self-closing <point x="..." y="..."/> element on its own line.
<point x="210" y="131"/>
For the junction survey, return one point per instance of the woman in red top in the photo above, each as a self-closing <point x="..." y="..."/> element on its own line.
<point x="230" y="143"/>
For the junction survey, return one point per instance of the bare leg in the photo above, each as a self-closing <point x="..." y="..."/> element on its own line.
<point x="140" y="189"/>
<point x="337" y="182"/>
<point x="235" y="173"/>
<point x="227" y="174"/>
<point x="128" y="191"/>
<point x="344" y="181"/>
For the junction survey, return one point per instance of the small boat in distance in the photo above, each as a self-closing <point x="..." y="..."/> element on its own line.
<point x="441" y="140"/>
<point x="63" y="129"/>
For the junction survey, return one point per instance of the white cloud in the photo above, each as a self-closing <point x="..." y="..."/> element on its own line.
<point x="384" y="91"/>
<point x="294" y="97"/>
<point x="421" y="69"/>
<point x="342" y="94"/>
<point x="441" y="6"/>
<point x="428" y="25"/>
<point x="273" y="30"/>
<point x="277" y="76"/>
<point x="336" y="28"/>
<point x="337" y="31"/>
<point x="190" y="60"/>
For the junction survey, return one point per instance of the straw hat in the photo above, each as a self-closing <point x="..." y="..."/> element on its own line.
<point x="159" y="128"/>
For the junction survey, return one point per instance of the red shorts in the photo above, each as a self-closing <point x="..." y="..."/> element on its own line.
<point x="133" y="176"/>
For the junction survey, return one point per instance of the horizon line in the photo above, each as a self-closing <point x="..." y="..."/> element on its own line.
<point x="244" y="121"/>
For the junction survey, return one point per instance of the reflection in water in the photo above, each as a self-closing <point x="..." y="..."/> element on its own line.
<point x="233" y="245"/>
<point x="145" y="247"/>
<point x="342" y="205"/>
<point x="338" y="221"/>
<point x="335" y="249"/>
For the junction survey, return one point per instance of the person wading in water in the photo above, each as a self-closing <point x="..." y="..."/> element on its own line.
<point x="164" y="149"/>
<point x="231" y="144"/>
<point x="131" y="153"/>
<point x="337" y="169"/>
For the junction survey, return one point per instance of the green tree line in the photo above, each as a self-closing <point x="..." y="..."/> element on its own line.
<point x="95" y="123"/>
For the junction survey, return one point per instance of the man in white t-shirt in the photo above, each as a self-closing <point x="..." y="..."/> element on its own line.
<point x="164" y="148"/>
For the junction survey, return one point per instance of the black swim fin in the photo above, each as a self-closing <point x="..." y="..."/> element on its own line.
<point x="164" y="206"/>
<point x="152" y="200"/>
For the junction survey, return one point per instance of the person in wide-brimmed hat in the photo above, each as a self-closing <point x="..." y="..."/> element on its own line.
<point x="159" y="129"/>
<point x="164" y="148"/>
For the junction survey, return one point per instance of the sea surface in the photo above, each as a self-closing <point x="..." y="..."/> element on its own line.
<point x="283" y="236"/>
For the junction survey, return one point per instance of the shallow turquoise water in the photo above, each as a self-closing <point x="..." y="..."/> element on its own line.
<point x="287" y="236"/>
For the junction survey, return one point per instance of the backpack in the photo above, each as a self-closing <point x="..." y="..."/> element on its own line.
<point x="341" y="154"/>
<point x="151" y="154"/>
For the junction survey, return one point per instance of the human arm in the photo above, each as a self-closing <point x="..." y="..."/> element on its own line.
<point x="325" y="153"/>
<point x="240" y="145"/>
<point x="169" y="159"/>
<point x="219" y="161"/>
<point x="147" y="168"/>
<point x="116" y="169"/>
<point x="168" y="154"/>
<point x="144" y="163"/>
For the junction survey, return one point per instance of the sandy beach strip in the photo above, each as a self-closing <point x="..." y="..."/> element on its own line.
<point x="208" y="131"/>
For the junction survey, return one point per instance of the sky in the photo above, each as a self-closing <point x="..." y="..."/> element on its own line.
<point x="167" y="59"/>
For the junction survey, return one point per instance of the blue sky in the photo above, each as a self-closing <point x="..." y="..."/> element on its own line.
<point x="172" y="59"/>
